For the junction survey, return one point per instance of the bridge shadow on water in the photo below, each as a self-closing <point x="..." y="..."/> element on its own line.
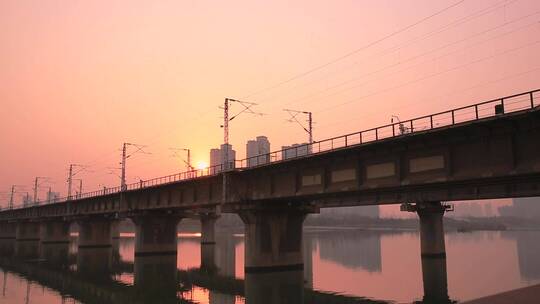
<point x="92" y="277"/>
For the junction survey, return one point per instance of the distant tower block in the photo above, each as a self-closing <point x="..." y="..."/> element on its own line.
<point x="257" y="151"/>
<point x="217" y="158"/>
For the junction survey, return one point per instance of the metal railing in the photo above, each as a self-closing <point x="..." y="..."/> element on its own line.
<point x="487" y="109"/>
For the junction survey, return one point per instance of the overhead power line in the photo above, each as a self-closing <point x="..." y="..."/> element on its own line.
<point x="375" y="42"/>
<point x="474" y="15"/>
<point x="410" y="59"/>
<point x="434" y="74"/>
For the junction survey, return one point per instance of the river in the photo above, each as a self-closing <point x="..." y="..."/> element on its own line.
<point x="340" y="266"/>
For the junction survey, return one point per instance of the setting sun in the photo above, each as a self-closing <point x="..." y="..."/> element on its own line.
<point x="202" y="165"/>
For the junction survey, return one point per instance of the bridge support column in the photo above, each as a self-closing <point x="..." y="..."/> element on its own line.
<point x="156" y="256"/>
<point x="7" y="247"/>
<point x="27" y="231"/>
<point x="55" y="253"/>
<point x="54" y="232"/>
<point x="273" y="255"/>
<point x="95" y="233"/>
<point x="208" y="241"/>
<point x="432" y="249"/>
<point x="7" y="239"/>
<point x="94" y="254"/>
<point x="55" y="240"/>
<point x="7" y="231"/>
<point x="156" y="235"/>
<point x="27" y="238"/>
<point x="431" y="229"/>
<point x="273" y="240"/>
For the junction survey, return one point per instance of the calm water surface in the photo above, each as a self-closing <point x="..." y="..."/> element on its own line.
<point x="383" y="266"/>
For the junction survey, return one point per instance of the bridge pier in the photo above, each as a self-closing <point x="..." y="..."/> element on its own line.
<point x="27" y="231"/>
<point x="94" y="254"/>
<point x="54" y="232"/>
<point x="7" y="238"/>
<point x="55" y="253"/>
<point x="156" y="256"/>
<point x="156" y="235"/>
<point x="95" y="233"/>
<point x="27" y="237"/>
<point x="432" y="249"/>
<point x="273" y="240"/>
<point x="7" y="231"/>
<point x="54" y="242"/>
<point x="273" y="257"/>
<point x="208" y="241"/>
<point x="431" y="229"/>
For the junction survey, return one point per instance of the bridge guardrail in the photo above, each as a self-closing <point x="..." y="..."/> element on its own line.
<point x="491" y="108"/>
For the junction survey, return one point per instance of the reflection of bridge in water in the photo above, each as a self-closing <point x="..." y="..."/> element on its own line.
<point x="528" y="251"/>
<point x="156" y="280"/>
<point x="352" y="249"/>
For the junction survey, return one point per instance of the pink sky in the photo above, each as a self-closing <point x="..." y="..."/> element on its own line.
<point x="78" y="78"/>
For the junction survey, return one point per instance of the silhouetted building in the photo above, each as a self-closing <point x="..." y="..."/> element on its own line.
<point x="217" y="158"/>
<point x="525" y="207"/>
<point x="295" y="150"/>
<point x="257" y="151"/>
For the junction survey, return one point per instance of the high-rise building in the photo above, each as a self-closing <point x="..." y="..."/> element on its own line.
<point x="231" y="154"/>
<point x="217" y="158"/>
<point x="257" y="151"/>
<point x="295" y="150"/>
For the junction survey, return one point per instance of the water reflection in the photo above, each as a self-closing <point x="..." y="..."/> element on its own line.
<point x="373" y="264"/>
<point x="285" y="287"/>
<point x="528" y="249"/>
<point x="353" y="249"/>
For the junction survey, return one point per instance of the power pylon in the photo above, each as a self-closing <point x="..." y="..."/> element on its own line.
<point x="246" y="108"/>
<point x="72" y="174"/>
<point x="293" y="118"/>
<point x="125" y="156"/>
<point x="36" y="186"/>
<point x="176" y="153"/>
<point x="13" y="191"/>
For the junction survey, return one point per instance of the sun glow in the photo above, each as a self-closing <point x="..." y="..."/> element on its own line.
<point x="202" y="165"/>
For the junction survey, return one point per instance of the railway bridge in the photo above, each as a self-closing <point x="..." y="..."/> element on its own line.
<point x="484" y="151"/>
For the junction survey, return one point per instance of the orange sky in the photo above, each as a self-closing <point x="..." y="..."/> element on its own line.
<point x="78" y="78"/>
